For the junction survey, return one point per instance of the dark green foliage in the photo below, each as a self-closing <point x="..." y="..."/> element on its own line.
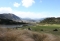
<point x="29" y="28"/>
<point x="41" y="29"/>
<point x="51" y="20"/>
<point x="10" y="22"/>
<point x="55" y="30"/>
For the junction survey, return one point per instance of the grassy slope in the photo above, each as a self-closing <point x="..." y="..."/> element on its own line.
<point x="25" y="35"/>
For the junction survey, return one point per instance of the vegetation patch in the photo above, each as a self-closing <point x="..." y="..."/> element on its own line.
<point x="26" y="35"/>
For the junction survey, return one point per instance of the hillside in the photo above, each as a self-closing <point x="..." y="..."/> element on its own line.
<point x="51" y="20"/>
<point x="9" y="16"/>
<point x="10" y="19"/>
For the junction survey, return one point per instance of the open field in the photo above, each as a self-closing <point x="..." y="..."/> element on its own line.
<point x="45" y="28"/>
<point x="37" y="33"/>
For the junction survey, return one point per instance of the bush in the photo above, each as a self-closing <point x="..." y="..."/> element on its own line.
<point x="41" y="29"/>
<point x="55" y="30"/>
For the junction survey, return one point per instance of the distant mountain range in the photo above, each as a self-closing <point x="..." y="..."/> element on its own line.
<point x="29" y="19"/>
<point x="13" y="17"/>
<point x="10" y="18"/>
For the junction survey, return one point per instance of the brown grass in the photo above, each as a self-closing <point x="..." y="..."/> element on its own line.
<point x="25" y="35"/>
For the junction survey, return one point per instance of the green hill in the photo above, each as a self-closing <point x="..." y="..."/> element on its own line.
<point x="51" y="20"/>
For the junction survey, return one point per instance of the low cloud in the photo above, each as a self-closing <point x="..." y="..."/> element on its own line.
<point x="31" y="15"/>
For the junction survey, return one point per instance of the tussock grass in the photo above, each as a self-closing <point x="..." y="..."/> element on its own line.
<point x="25" y="35"/>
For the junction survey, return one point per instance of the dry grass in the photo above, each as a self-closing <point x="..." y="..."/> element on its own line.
<point x="25" y="35"/>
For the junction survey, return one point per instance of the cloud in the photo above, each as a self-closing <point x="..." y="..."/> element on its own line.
<point x="27" y="3"/>
<point x="34" y="15"/>
<point x="22" y="14"/>
<point x="16" y="4"/>
<point x="5" y="9"/>
<point x="31" y="15"/>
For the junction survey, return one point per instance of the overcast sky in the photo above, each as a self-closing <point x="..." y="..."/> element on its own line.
<point x="31" y="8"/>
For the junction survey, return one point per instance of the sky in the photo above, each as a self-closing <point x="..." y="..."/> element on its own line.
<point x="31" y="8"/>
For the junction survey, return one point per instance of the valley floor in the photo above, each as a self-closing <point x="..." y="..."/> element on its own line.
<point x="37" y="33"/>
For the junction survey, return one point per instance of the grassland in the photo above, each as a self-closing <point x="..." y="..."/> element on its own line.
<point x="25" y="35"/>
<point x="45" y="28"/>
<point x="37" y="33"/>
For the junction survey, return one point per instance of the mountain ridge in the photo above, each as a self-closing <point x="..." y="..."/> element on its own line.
<point x="9" y="16"/>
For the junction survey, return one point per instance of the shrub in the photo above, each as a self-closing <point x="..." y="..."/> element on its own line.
<point x="55" y="30"/>
<point x="41" y="29"/>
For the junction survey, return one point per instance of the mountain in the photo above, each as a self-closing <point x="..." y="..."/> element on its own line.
<point x="28" y="20"/>
<point x="40" y="19"/>
<point x="9" y="16"/>
<point x="10" y="19"/>
<point x="32" y="20"/>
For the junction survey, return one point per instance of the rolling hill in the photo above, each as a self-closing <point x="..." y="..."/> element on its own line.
<point x="51" y="20"/>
